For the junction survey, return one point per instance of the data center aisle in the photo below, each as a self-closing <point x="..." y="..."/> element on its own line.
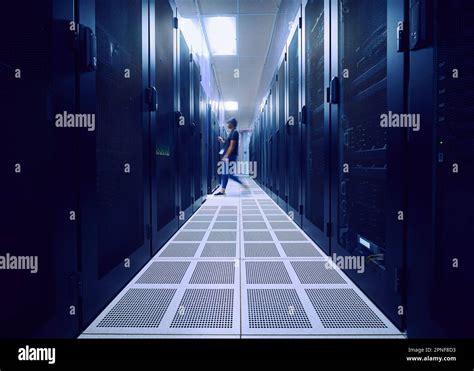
<point x="240" y="268"/>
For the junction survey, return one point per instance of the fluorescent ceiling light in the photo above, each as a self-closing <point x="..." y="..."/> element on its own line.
<point x="231" y="106"/>
<point x="222" y="35"/>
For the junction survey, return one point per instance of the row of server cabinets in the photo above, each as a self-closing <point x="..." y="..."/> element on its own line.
<point x="108" y="152"/>
<point x="330" y="151"/>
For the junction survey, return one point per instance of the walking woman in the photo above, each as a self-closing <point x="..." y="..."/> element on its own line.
<point x="228" y="161"/>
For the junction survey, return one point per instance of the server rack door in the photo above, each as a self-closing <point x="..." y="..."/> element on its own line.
<point x="282" y="192"/>
<point x="163" y="125"/>
<point x="39" y="174"/>
<point x="294" y="128"/>
<point x="114" y="172"/>
<point x="214" y="154"/>
<point x="196" y="137"/>
<point x="204" y="110"/>
<point x="185" y="159"/>
<point x="274" y="142"/>
<point x="366" y="182"/>
<point x="316" y="34"/>
<point x="455" y="196"/>
<point x="441" y="200"/>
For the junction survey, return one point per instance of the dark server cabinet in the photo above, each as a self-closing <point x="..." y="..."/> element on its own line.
<point x="281" y="135"/>
<point x="204" y="112"/>
<point x="196" y="137"/>
<point x="263" y="159"/>
<point x="163" y="124"/>
<point x="114" y="175"/>
<point x="293" y="125"/>
<point x="274" y="142"/>
<point x="441" y="198"/>
<point x="39" y="163"/>
<point x="184" y="146"/>
<point x="213" y="178"/>
<point x="316" y="169"/>
<point x="368" y="187"/>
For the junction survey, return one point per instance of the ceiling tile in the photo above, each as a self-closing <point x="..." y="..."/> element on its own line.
<point x="214" y="7"/>
<point x="259" y="6"/>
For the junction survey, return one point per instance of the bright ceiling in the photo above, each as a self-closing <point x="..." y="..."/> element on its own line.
<point x="255" y="22"/>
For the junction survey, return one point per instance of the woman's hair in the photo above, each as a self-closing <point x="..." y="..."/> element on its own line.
<point x="232" y="121"/>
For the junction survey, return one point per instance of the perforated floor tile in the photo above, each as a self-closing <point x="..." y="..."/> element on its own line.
<point x="252" y="218"/>
<point x="303" y="250"/>
<point x="282" y="225"/>
<point x="257" y="236"/>
<point x="139" y="308"/>
<point x="228" y="212"/>
<point x="164" y="272"/>
<point x="216" y="273"/>
<point x="251" y="212"/>
<point x="205" y="308"/>
<point x="202" y="218"/>
<point x="277" y="218"/>
<point x="226" y="218"/>
<point x="267" y="272"/>
<point x="343" y="308"/>
<point x="260" y="250"/>
<point x="254" y="225"/>
<point x="225" y="225"/>
<point x="316" y="272"/>
<point x="189" y="236"/>
<point x="219" y="250"/>
<point x="206" y="212"/>
<point x="222" y="236"/>
<point x="276" y="308"/>
<point x="219" y="276"/>
<point x="197" y="225"/>
<point x="179" y="250"/>
<point x="290" y="236"/>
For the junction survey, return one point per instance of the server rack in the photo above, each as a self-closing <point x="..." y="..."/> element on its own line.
<point x="273" y="141"/>
<point x="281" y="134"/>
<point x="196" y="137"/>
<point x="214" y="132"/>
<point x="37" y="70"/>
<point x="204" y="112"/>
<point x="163" y="123"/>
<point x="293" y="123"/>
<point x="114" y="160"/>
<point x="367" y="185"/>
<point x="316" y="120"/>
<point x="185" y="159"/>
<point x="441" y="197"/>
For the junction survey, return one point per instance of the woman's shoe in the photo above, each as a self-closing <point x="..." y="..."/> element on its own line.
<point x="220" y="193"/>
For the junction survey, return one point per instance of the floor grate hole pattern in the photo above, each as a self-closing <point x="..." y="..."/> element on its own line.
<point x="164" y="272"/>
<point x="276" y="308"/>
<point x="205" y="308"/>
<point x="213" y="273"/>
<point x="343" y="308"/>
<point x="269" y="272"/>
<point x="139" y="308"/>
